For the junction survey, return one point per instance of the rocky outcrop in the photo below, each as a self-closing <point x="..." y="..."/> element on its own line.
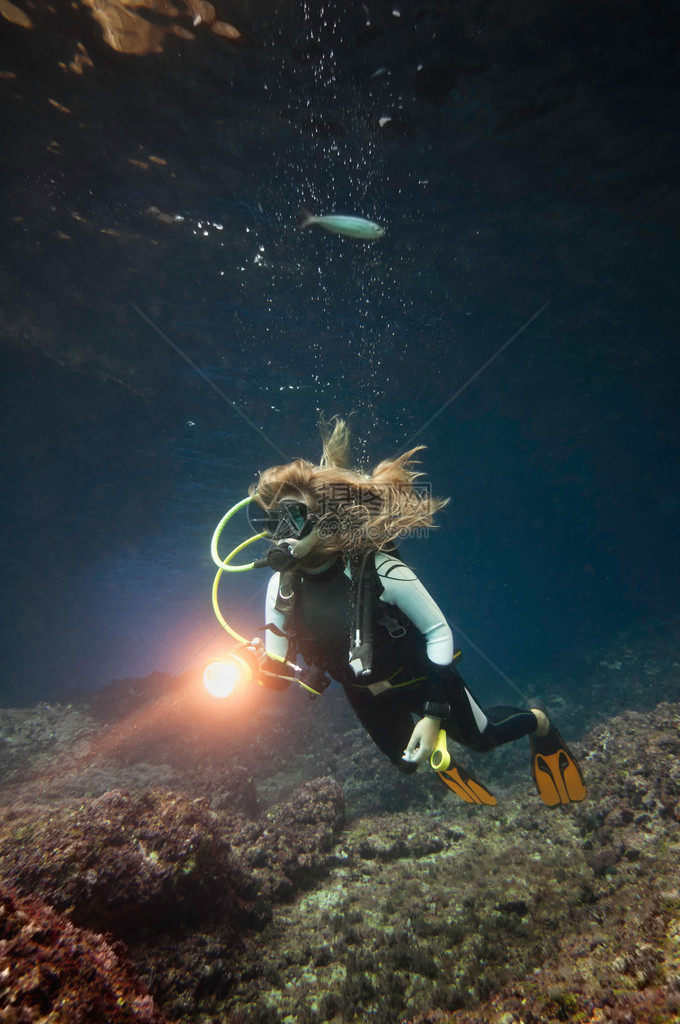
<point x="292" y="848"/>
<point x="495" y="916"/>
<point x="119" y="863"/>
<point x="52" y="971"/>
<point x="438" y="912"/>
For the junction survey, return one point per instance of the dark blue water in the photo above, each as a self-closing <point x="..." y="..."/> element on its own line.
<point x="123" y="447"/>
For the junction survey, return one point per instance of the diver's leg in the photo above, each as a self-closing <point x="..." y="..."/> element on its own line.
<point x="483" y="729"/>
<point x="554" y="768"/>
<point x="387" y="720"/>
<point x="506" y="724"/>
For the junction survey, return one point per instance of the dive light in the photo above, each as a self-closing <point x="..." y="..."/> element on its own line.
<point x="248" y="663"/>
<point x="222" y="675"/>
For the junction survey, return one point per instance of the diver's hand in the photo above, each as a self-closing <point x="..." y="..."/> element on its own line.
<point x="423" y="740"/>
<point x="256" y="653"/>
<point x="267" y="670"/>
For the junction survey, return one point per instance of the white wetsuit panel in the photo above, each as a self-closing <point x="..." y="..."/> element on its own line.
<point x="275" y="646"/>
<point x="403" y="589"/>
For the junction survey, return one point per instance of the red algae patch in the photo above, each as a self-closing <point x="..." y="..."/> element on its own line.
<point x="51" y="970"/>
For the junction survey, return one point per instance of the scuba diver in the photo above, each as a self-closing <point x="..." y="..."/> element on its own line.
<point x="344" y="602"/>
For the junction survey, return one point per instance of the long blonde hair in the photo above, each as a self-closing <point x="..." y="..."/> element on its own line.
<point x="357" y="511"/>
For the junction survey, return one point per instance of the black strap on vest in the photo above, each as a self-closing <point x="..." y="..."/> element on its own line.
<point x="363" y="587"/>
<point x="369" y="611"/>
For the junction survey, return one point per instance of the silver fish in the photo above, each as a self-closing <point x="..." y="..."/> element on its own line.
<point x="339" y="224"/>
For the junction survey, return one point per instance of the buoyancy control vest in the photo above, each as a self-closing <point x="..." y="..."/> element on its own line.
<point x="330" y="618"/>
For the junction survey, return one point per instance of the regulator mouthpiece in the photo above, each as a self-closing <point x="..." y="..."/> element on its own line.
<point x="281" y="557"/>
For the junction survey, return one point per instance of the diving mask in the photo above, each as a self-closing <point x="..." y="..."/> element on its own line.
<point x="291" y="520"/>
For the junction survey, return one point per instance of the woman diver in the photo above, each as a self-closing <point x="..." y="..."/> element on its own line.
<point x="345" y="602"/>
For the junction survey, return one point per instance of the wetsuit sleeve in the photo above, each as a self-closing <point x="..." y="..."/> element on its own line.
<point x="402" y="588"/>
<point x="275" y="646"/>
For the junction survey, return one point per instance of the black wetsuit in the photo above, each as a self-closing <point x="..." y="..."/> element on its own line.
<point x="320" y="626"/>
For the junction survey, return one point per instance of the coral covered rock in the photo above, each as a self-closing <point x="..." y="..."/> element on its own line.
<point x="52" y="971"/>
<point x="292" y="846"/>
<point x="438" y="914"/>
<point x="30" y="736"/>
<point x="120" y="863"/>
<point x="417" y="913"/>
<point x="550" y="999"/>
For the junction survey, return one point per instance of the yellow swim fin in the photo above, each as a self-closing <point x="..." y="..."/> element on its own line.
<point x="463" y="785"/>
<point x="555" y="770"/>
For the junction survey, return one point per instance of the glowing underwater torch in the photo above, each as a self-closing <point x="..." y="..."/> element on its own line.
<point x="222" y="675"/>
<point x="250" y="664"/>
